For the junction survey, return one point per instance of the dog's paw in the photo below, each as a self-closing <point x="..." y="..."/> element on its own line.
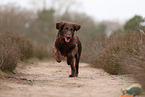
<point x="73" y="75"/>
<point x="58" y="61"/>
<point x="68" y="63"/>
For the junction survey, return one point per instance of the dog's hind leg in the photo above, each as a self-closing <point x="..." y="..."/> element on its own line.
<point x="73" y="70"/>
<point x="77" y="57"/>
<point x="71" y="56"/>
<point x="71" y="61"/>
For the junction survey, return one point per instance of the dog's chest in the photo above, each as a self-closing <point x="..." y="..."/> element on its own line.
<point x="66" y="48"/>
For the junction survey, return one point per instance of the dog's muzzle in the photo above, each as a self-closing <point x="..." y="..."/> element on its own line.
<point x="67" y="38"/>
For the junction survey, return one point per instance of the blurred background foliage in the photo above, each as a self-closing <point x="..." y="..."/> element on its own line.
<point x="39" y="26"/>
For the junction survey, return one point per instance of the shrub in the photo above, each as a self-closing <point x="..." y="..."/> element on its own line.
<point x="135" y="63"/>
<point x="25" y="47"/>
<point x="118" y="47"/>
<point x="93" y="47"/>
<point x="40" y="52"/>
<point x="123" y="54"/>
<point x="13" y="48"/>
<point x="9" y="51"/>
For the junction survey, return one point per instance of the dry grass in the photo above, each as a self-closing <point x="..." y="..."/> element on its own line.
<point x="120" y="54"/>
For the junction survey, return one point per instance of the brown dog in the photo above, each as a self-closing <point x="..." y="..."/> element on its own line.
<point x="67" y="44"/>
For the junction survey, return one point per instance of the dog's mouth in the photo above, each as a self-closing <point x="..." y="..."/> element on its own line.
<point x="67" y="39"/>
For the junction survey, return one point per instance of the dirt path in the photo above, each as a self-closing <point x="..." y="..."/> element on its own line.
<point x="50" y="79"/>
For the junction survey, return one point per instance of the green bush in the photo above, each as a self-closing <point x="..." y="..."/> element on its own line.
<point x="134" y="23"/>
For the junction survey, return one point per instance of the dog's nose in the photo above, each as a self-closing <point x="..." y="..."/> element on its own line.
<point x="68" y="36"/>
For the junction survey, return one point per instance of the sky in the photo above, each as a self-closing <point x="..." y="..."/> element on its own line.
<point x="117" y="10"/>
<point x="114" y="9"/>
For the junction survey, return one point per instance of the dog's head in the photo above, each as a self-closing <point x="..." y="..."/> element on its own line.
<point x="66" y="30"/>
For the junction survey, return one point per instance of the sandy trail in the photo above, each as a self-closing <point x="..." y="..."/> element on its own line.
<point x="50" y="79"/>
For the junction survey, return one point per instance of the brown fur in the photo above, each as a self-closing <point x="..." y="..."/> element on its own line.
<point x="68" y="45"/>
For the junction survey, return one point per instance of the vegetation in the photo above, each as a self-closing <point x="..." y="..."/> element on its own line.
<point x="12" y="49"/>
<point x="121" y="53"/>
<point x="134" y="23"/>
<point x="39" y="27"/>
<point x="25" y="34"/>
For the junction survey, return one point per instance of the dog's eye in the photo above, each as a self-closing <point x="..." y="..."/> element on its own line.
<point x="71" y="29"/>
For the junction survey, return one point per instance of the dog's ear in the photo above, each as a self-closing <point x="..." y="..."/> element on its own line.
<point x="57" y="25"/>
<point x="60" y="25"/>
<point x="76" y="26"/>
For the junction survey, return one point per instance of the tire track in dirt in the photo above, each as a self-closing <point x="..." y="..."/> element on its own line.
<point x="50" y="79"/>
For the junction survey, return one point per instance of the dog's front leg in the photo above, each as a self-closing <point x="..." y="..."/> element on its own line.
<point x="57" y="55"/>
